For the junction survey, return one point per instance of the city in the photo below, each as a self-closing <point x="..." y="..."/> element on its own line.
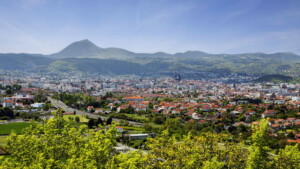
<point x="158" y="84"/>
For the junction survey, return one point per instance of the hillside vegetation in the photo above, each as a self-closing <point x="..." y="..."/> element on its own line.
<point x="84" y="56"/>
<point x="55" y="144"/>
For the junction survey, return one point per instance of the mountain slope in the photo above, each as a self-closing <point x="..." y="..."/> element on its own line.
<point x="22" y="61"/>
<point x="87" y="57"/>
<point x="87" y="49"/>
<point x="84" y="48"/>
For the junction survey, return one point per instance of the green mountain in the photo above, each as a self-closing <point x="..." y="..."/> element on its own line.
<point x="87" y="49"/>
<point x="22" y="61"/>
<point x="85" y="56"/>
<point x="274" y="78"/>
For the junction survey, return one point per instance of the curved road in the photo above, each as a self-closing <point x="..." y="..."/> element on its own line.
<point x="62" y="105"/>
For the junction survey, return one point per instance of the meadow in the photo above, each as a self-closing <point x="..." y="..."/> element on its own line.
<point x="6" y="129"/>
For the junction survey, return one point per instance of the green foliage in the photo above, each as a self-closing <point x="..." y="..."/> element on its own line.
<point x="7" y="112"/>
<point x="274" y="78"/>
<point x="258" y="156"/>
<point x="159" y="119"/>
<point x="213" y="164"/>
<point x="40" y="97"/>
<point x="77" y="119"/>
<point x="288" y="158"/>
<point x="109" y="121"/>
<point x="55" y="144"/>
<point x="192" y="152"/>
<point x="77" y="100"/>
<point x="112" y="62"/>
<point x="91" y="123"/>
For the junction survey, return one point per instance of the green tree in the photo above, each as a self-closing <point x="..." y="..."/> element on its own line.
<point x="8" y="91"/>
<point x="159" y="119"/>
<point x="109" y="121"/>
<point x="91" y="123"/>
<point x="258" y="156"/>
<point x="288" y="158"/>
<point x="55" y="144"/>
<point x="77" y="119"/>
<point x="99" y="121"/>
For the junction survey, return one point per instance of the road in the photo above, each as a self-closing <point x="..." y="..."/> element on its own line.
<point x="12" y="121"/>
<point x="62" y="105"/>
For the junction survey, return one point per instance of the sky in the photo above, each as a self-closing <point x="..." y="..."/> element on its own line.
<point x="213" y="26"/>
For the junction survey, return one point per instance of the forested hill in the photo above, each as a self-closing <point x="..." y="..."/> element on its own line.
<point x="86" y="56"/>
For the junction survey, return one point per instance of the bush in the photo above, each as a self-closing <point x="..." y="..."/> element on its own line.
<point x="4" y="118"/>
<point x="77" y="119"/>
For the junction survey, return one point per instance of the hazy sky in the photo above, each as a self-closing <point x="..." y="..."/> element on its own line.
<point x="214" y="26"/>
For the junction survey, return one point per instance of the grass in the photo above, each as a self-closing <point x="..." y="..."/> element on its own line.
<point x="156" y="125"/>
<point x="3" y="140"/>
<point x="82" y="118"/>
<point x="133" y="128"/>
<point x="5" y="129"/>
<point x="136" y="116"/>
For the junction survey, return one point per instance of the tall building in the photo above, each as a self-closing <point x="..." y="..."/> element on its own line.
<point x="177" y="77"/>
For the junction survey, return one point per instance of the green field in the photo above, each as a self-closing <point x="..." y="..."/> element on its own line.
<point x="82" y="118"/>
<point x="3" y="140"/>
<point x="5" y="129"/>
<point x="137" y="117"/>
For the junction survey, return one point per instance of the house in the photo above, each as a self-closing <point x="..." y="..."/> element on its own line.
<point x="196" y="116"/>
<point x="19" y="104"/>
<point x="122" y="107"/>
<point x="294" y="141"/>
<point x="90" y="108"/>
<point x="37" y="105"/>
<point x="119" y="129"/>
<point x="138" y="136"/>
<point x="7" y="103"/>
<point x="176" y="111"/>
<point x="275" y="126"/>
<point x="140" y="108"/>
<point x="98" y="110"/>
<point x="266" y="115"/>
<point x="287" y="125"/>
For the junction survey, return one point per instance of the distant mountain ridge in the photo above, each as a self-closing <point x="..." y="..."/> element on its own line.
<point x="85" y="56"/>
<point x="87" y="49"/>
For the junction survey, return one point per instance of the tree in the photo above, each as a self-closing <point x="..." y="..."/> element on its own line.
<point x="16" y="87"/>
<point x="40" y="97"/>
<point x="191" y="152"/>
<point x="54" y="144"/>
<point x="159" y="120"/>
<point x="99" y="121"/>
<point x="91" y="123"/>
<point x="258" y="156"/>
<point x="291" y="135"/>
<point x="288" y="158"/>
<point x="77" y="119"/>
<point x="7" y="112"/>
<point x="109" y="121"/>
<point x="46" y="107"/>
<point x="8" y="91"/>
<point x="213" y="164"/>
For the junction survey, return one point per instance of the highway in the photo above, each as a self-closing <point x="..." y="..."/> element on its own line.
<point x="62" y="105"/>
